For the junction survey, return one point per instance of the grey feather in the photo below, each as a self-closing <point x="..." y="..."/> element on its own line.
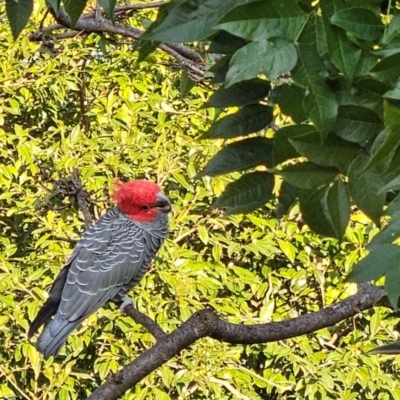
<point x="112" y="256"/>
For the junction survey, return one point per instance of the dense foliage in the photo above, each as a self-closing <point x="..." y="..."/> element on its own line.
<point x="252" y="268"/>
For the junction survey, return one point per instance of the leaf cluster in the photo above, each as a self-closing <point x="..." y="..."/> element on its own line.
<point x="328" y="72"/>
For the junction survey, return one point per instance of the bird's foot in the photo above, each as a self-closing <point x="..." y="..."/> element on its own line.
<point x="125" y="302"/>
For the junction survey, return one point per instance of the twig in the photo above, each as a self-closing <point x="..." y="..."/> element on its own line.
<point x="81" y="198"/>
<point x="64" y="239"/>
<point x="206" y="323"/>
<point x="146" y="322"/>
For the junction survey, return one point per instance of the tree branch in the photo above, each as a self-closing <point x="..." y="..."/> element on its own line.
<point x="81" y="197"/>
<point x="91" y="23"/>
<point x="206" y="323"/>
<point x="145" y="321"/>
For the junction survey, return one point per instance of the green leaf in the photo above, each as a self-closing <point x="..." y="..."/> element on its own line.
<point x="238" y="156"/>
<point x="375" y="264"/>
<point x="314" y="213"/>
<point x="192" y="20"/>
<point x="186" y="84"/>
<point x="393" y="28"/>
<point x="320" y="102"/>
<point x="246" y="194"/>
<point x="361" y="22"/>
<point x="108" y="7"/>
<point x="220" y="69"/>
<point x="272" y="57"/>
<point x="287" y="196"/>
<point x="283" y="149"/>
<point x="74" y="9"/>
<point x="343" y="53"/>
<point x="240" y="94"/>
<point x="18" y="13"/>
<point x="334" y="152"/>
<point x="263" y="20"/>
<point x="225" y="43"/>
<point x="387" y="235"/>
<point x="338" y="207"/>
<point x="290" y="99"/>
<point x="394" y="184"/>
<point x="55" y="5"/>
<point x="387" y="69"/>
<point x="365" y="188"/>
<point x="307" y="175"/>
<point x="357" y="124"/>
<point x="247" y="120"/>
<point x="384" y="153"/>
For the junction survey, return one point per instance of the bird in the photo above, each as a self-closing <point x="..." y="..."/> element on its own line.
<point x="111" y="257"/>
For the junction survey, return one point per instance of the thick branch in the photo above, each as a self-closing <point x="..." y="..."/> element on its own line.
<point x="207" y="323"/>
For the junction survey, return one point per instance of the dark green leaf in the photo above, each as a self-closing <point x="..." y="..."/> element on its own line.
<point x="334" y="152"/>
<point x="192" y="20"/>
<point x="239" y="156"/>
<point x="343" y="53"/>
<point x="225" y="43"/>
<point x="186" y="84"/>
<point x="394" y="184"/>
<point x="338" y="207"/>
<point x="272" y="57"/>
<point x="393" y="94"/>
<point x="74" y="9"/>
<point x="387" y="235"/>
<point x="248" y="193"/>
<point x="307" y="175"/>
<point x="240" y="94"/>
<point x="320" y="102"/>
<point x="108" y="7"/>
<point x="361" y="22"/>
<point x="384" y="153"/>
<point x="283" y="150"/>
<point x="263" y="20"/>
<point x="375" y="264"/>
<point x="287" y="196"/>
<point x="365" y="188"/>
<point x="387" y="69"/>
<point x="55" y="5"/>
<point x="393" y="29"/>
<point x="357" y="124"/>
<point x="314" y="212"/>
<point x="220" y="69"/>
<point x="290" y="99"/>
<point x="247" y="120"/>
<point x="394" y="206"/>
<point x="18" y="13"/>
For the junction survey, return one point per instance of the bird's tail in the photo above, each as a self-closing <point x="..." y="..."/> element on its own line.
<point x="54" y="335"/>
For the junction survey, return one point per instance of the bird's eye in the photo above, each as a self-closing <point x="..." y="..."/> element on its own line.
<point x="145" y="207"/>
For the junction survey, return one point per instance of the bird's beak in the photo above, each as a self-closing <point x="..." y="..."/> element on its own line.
<point x="163" y="203"/>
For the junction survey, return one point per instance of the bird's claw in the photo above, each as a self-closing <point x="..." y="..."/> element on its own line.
<point x="125" y="302"/>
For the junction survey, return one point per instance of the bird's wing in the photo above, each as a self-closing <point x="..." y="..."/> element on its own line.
<point x="108" y="257"/>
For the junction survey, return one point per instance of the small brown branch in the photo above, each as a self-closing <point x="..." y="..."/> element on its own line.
<point x="206" y="323"/>
<point x="64" y="239"/>
<point x="81" y="198"/>
<point x="145" y="321"/>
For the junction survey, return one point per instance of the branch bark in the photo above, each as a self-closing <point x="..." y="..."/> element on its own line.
<point x="88" y="23"/>
<point x="206" y="323"/>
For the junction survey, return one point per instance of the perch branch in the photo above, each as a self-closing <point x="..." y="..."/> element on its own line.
<point x="206" y="323"/>
<point x="145" y="321"/>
